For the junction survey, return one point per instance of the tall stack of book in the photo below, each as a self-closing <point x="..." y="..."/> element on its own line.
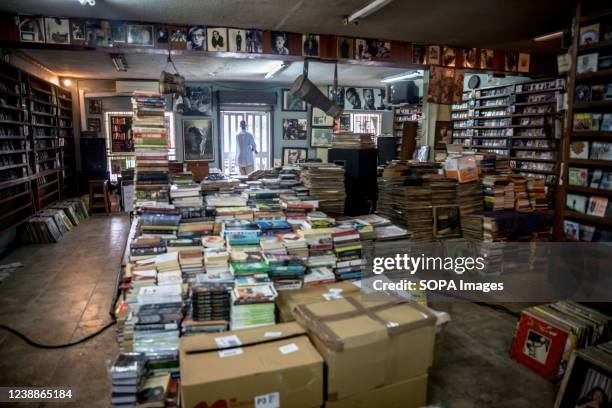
<point x="210" y="303"/>
<point x="127" y="373"/>
<point x="151" y="148"/>
<point x="159" y="225"/>
<point x="412" y="208"/>
<point x="252" y="305"/>
<point x="326" y="182"/>
<point x="347" y="247"/>
<point x="350" y="140"/>
<point x="536" y="189"/>
<point x="286" y="271"/>
<point x="186" y="195"/>
<point x="521" y="198"/>
<point x="469" y="197"/>
<point x="498" y="192"/>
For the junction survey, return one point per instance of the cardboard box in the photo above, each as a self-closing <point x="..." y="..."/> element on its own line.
<point x="287" y="300"/>
<point x="411" y="393"/>
<point x="263" y="367"/>
<point x="367" y="345"/>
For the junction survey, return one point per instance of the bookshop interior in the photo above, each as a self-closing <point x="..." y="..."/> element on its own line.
<point x="235" y="203"/>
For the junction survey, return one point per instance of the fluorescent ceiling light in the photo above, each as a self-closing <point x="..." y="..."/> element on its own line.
<point x="275" y="68"/>
<point x="402" y="77"/>
<point x="549" y="36"/>
<point x="365" y="11"/>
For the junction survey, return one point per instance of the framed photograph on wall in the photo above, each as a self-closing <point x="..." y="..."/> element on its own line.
<point x="217" y="39"/>
<point x="118" y="34"/>
<point x="345" y="47"/>
<point x="345" y="122"/>
<point x="197" y="101"/>
<point x="198" y="140"/>
<point x="31" y="29"/>
<point x="95" y="106"/>
<point x="57" y="30"/>
<point x="294" y="155"/>
<point x="140" y="34"/>
<point x="94" y="124"/>
<point x="319" y="118"/>
<point x="321" y="137"/>
<point x="77" y="31"/>
<point x="294" y="129"/>
<point x="292" y="104"/>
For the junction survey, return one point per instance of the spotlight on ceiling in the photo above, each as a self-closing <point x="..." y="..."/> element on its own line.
<point x="66" y="82"/>
<point x="119" y="62"/>
<point x="90" y="2"/>
<point x="276" y="68"/>
<point x="365" y="11"/>
<point x="402" y="77"/>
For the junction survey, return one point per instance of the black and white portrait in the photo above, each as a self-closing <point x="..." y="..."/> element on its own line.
<point x="337" y="95"/>
<point x="217" y="39"/>
<point x="198" y="140"/>
<point x="254" y="41"/>
<point x="536" y="346"/>
<point x="418" y="54"/>
<point x="511" y="61"/>
<point x="320" y="118"/>
<point x="178" y="35"/>
<point x="448" y="57"/>
<point x="31" y="29"/>
<point x="294" y="129"/>
<point x="196" y="38"/>
<point x="77" y="30"/>
<point x="118" y="34"/>
<point x="236" y="40"/>
<point x="369" y="102"/>
<point x="345" y="47"/>
<point x="486" y="59"/>
<point x="370" y="48"/>
<point x="310" y="45"/>
<point x="98" y="33"/>
<point x="197" y="101"/>
<point x="381" y="95"/>
<point x="140" y="34"/>
<point x="294" y="155"/>
<point x="279" y="41"/>
<point x="353" y="98"/>
<point x="291" y="103"/>
<point x="57" y="30"/>
<point x="469" y="58"/>
<point x="345" y="122"/>
<point x="433" y="55"/>
<point x="321" y="137"/>
<point x="161" y="35"/>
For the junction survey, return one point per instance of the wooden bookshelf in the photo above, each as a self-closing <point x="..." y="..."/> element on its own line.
<point x="584" y="102"/>
<point x="406" y="122"/>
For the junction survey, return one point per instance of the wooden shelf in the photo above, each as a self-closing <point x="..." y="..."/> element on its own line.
<point x="44" y="137"/>
<point x="47" y="172"/>
<point x="8" y="77"/>
<point x="588" y="218"/>
<point x="48" y="159"/>
<point x="48" y="184"/>
<point x="490" y="107"/>
<point x="65" y="117"/>
<point x="531" y="137"/>
<point x="15" y="108"/>
<point x="43" y="125"/>
<point x="594" y="75"/>
<point x="489" y="137"/>
<point x="43" y="114"/>
<point x="597" y="16"/>
<point x="595" y="46"/>
<point x="14" y="182"/>
<point x="35" y="100"/>
<point x="530" y="126"/>
<point x="535" y="149"/>
<point x="13" y="166"/>
<point x="491" y="147"/>
<point x="10" y="93"/>
<point x="36" y="89"/>
<point x="536" y="160"/>
<point x="540" y="91"/>
<point x="593" y="105"/>
<point x="13" y="197"/>
<point x="589" y="190"/>
<point x="13" y="151"/>
<point x="12" y="137"/>
<point x="460" y="110"/>
<point x="48" y="195"/>
<point x="12" y="122"/>
<point x="534" y="171"/>
<point x="591" y="133"/>
<point x="489" y="127"/>
<point x="16" y="210"/>
<point x="587" y="162"/>
<point x="534" y="103"/>
<point x="42" y="149"/>
<point x="493" y="96"/>
<point x="522" y="115"/>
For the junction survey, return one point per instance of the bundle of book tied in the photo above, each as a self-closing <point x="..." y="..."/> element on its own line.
<point x="351" y="140"/>
<point x="325" y="181"/>
<point x="151" y="148"/>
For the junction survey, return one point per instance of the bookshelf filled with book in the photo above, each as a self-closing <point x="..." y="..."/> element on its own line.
<point x="66" y="146"/>
<point x="584" y="205"/>
<point x="407" y="119"/>
<point x="34" y="127"/>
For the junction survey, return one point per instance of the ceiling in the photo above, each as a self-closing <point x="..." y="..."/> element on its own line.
<point x="97" y="64"/>
<point x="505" y="24"/>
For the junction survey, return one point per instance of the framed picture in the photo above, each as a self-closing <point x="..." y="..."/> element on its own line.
<point x="418" y="54"/>
<point x="319" y="118"/>
<point x="433" y="55"/>
<point x="486" y="59"/>
<point x="198" y="140"/>
<point x="177" y="36"/>
<point x="197" y="101"/>
<point x="236" y="40"/>
<point x="279" y="42"/>
<point x="57" y="30"/>
<point x="294" y="155"/>
<point x="310" y="45"/>
<point x="254" y="41"/>
<point x="98" y="33"/>
<point x="31" y="29"/>
<point x="140" y="34"/>
<point x="345" y="47"/>
<point x="469" y="58"/>
<point x="118" y="34"/>
<point x="95" y="106"/>
<point x="77" y="31"/>
<point x="345" y="122"/>
<point x="321" y="137"/>
<point x="353" y="98"/>
<point x="196" y="38"/>
<point x="291" y="103"/>
<point x="448" y="57"/>
<point x="523" y="62"/>
<point x="367" y="49"/>
<point x="444" y="132"/>
<point x="162" y="35"/>
<point x="94" y="124"/>
<point x="336" y="95"/>
<point x="294" y="129"/>
<point x="511" y="61"/>
<point x="217" y="39"/>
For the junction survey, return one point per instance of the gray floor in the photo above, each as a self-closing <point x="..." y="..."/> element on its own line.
<point x="64" y="292"/>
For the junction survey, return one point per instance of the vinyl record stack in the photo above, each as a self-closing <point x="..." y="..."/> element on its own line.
<point x="150" y="143"/>
<point x="412" y="208"/>
<point x="326" y="182"/>
<point x="350" y="140"/>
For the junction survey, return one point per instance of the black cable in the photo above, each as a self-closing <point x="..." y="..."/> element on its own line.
<point x="54" y="346"/>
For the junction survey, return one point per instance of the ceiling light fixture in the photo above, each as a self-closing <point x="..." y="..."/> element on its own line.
<point x="365" y="11"/>
<point x="402" y="77"/>
<point x="549" y="36"/>
<point x="276" y="68"/>
<point x="90" y="2"/>
<point x="119" y="62"/>
<point x="66" y="82"/>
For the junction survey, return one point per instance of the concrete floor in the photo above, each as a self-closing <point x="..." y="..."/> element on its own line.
<point x="65" y="289"/>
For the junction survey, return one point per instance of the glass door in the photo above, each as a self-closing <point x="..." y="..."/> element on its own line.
<point x="258" y="124"/>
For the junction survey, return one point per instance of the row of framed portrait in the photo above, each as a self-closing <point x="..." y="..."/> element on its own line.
<point x="109" y="33"/>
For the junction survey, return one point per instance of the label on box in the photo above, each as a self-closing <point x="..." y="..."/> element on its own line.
<point x="271" y="400"/>
<point x="332" y="296"/>
<point x="289" y="348"/>
<point x="230" y="352"/>
<point x="273" y="334"/>
<point x="228" y="341"/>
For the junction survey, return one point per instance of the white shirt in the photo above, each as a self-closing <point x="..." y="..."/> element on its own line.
<point x="245" y="147"/>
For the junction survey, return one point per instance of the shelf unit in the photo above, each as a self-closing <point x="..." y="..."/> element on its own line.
<point x="31" y="146"/>
<point x="407" y="119"/>
<point x="66" y="141"/>
<point x="585" y="144"/>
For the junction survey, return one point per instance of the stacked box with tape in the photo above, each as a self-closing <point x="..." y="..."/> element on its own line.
<point x="151" y="148"/>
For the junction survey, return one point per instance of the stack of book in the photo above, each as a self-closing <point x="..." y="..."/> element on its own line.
<point x="350" y="140"/>
<point x="469" y="197"/>
<point x="216" y="260"/>
<point x="294" y="244"/>
<point x="74" y="208"/>
<point x="252" y="305"/>
<point x="159" y="225"/>
<point x="192" y="263"/>
<point x="286" y="271"/>
<point x="168" y="269"/>
<point x="498" y="193"/>
<point x="183" y="244"/>
<point x="536" y="190"/>
<point x="326" y="182"/>
<point x="347" y="247"/>
<point x="40" y="230"/>
<point x="210" y="303"/>
<point x="241" y="234"/>
<point x="195" y="228"/>
<point x="151" y="148"/>
<point x="274" y="227"/>
<point x="182" y="178"/>
<point x="412" y="208"/>
<point x="317" y="276"/>
<point x="146" y="248"/>
<point x="521" y="198"/>
<point x="365" y="229"/>
<point x="127" y="373"/>
<point x="186" y="195"/>
<point x="320" y="248"/>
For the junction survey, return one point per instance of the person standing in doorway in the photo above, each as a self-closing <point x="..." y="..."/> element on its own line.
<point x="245" y="149"/>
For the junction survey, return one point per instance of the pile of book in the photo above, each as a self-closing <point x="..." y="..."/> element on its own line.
<point x="536" y="190"/>
<point x="160" y="224"/>
<point x="74" y="208"/>
<point x="498" y="192"/>
<point x="347" y="247"/>
<point x="350" y="140"/>
<point x="127" y="373"/>
<point x="252" y="304"/>
<point x="469" y="197"/>
<point x="521" y="198"/>
<point x="294" y="244"/>
<point x="192" y="263"/>
<point x="285" y="271"/>
<point x="151" y="148"/>
<point x="412" y="207"/>
<point x="146" y="248"/>
<point x="43" y="228"/>
<point x="216" y="260"/>
<point x="326" y="182"/>
<point x="186" y="195"/>
<point x="210" y="308"/>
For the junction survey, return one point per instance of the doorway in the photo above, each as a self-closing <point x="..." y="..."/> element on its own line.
<point x="258" y="124"/>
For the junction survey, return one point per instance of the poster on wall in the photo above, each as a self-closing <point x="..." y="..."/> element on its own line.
<point x="345" y="47"/>
<point x="294" y="155"/>
<point x="98" y="33"/>
<point x="140" y="34"/>
<point x="353" y="98"/>
<point x="279" y="40"/>
<point x="197" y="101"/>
<point x="95" y="106"/>
<point x="120" y="129"/>
<point x="196" y="38"/>
<point x="321" y="137"/>
<point x="294" y="129"/>
<point x="31" y="29"/>
<point x="445" y="85"/>
<point x="57" y="30"/>
<point x="310" y="45"/>
<point x="198" y="140"/>
<point x="319" y="118"/>
<point x="292" y="103"/>
<point x="217" y="39"/>
<point x="369" y="48"/>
